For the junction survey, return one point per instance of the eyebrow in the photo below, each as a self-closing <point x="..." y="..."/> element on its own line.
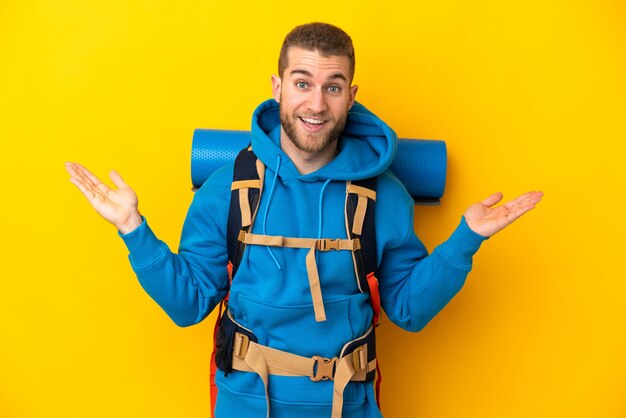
<point x="308" y="74"/>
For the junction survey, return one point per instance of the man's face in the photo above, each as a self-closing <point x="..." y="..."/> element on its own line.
<point x="315" y="96"/>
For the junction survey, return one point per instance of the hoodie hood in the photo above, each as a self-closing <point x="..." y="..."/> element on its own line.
<point x="367" y="145"/>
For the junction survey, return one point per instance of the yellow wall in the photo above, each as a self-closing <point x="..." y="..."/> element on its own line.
<point x="528" y="95"/>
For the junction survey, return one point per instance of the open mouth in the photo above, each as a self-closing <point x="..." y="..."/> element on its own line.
<point x="313" y="124"/>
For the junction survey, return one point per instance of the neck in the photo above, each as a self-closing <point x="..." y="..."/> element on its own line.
<point x="307" y="162"/>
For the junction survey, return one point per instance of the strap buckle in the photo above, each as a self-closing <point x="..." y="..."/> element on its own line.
<point x="329" y="244"/>
<point x="359" y="359"/>
<point x="241" y="344"/>
<point x="323" y="368"/>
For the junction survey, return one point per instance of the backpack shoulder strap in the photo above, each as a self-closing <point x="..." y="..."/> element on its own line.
<point x="248" y="176"/>
<point x="246" y="189"/>
<point x="360" y="221"/>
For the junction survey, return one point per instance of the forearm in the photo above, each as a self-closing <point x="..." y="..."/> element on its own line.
<point x="186" y="291"/>
<point x="418" y="288"/>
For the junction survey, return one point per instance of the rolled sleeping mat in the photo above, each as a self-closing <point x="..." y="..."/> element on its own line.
<point x="420" y="164"/>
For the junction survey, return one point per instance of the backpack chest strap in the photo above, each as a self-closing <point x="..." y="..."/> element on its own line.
<point x="322" y="244"/>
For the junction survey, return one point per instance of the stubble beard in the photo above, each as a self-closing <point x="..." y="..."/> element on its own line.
<point x="289" y="124"/>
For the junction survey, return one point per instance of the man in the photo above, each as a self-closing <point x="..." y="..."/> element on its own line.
<point x="313" y="139"/>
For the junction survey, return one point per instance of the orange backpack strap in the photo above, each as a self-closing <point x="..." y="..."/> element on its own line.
<point x="213" y="364"/>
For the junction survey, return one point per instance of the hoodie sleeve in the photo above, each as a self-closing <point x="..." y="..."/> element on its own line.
<point x="415" y="285"/>
<point x="187" y="285"/>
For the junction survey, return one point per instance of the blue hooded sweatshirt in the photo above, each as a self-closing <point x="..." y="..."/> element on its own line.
<point x="270" y="294"/>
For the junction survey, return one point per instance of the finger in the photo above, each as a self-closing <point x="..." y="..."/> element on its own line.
<point x="514" y="215"/>
<point x="525" y="199"/>
<point x="72" y="168"/>
<point x="521" y="209"/>
<point x="493" y="199"/>
<point x="117" y="179"/>
<point x="86" y="191"/>
<point x="77" y="171"/>
<point x="82" y="175"/>
<point x="68" y="166"/>
<point x="76" y="176"/>
<point x="536" y="196"/>
<point x="89" y="175"/>
<point x="97" y="186"/>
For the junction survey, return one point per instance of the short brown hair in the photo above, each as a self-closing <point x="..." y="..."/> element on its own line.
<point x="321" y="37"/>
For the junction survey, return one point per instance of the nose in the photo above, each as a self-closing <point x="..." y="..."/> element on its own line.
<point x="317" y="102"/>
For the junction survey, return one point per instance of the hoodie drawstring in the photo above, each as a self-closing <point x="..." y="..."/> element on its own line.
<point x="319" y="210"/>
<point x="267" y="208"/>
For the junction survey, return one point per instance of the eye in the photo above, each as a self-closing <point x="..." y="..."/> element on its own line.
<point x="334" y="89"/>
<point x="301" y="85"/>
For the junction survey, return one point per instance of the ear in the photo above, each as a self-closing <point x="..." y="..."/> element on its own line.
<point x="353" y="91"/>
<point x="276" y="84"/>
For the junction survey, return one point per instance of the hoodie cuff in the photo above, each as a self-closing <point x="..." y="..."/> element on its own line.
<point x="143" y="245"/>
<point x="463" y="244"/>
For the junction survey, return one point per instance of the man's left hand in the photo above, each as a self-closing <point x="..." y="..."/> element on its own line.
<point x="486" y="219"/>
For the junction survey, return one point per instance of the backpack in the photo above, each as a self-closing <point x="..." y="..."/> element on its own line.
<point x="246" y="189"/>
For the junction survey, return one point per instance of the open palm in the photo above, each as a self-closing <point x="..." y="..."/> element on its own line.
<point x="486" y="219"/>
<point x="118" y="206"/>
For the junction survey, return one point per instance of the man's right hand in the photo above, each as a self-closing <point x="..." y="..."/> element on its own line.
<point x="117" y="206"/>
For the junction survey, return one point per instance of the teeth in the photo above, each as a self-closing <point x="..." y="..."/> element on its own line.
<point x="313" y="121"/>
